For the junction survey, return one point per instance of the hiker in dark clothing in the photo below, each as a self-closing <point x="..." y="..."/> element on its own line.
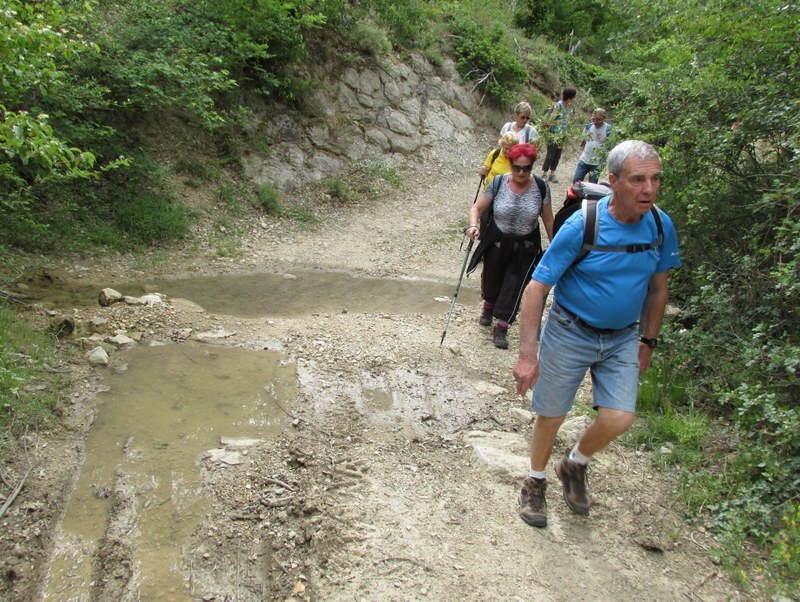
<point x="511" y="241"/>
<point x="557" y="123"/>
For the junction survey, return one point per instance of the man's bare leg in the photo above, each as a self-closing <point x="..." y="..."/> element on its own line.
<point x="543" y="438"/>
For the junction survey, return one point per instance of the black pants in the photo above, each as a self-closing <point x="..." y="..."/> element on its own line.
<point x="552" y="158"/>
<point x="506" y="270"/>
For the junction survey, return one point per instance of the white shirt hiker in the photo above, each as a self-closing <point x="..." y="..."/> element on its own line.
<point x="594" y="138"/>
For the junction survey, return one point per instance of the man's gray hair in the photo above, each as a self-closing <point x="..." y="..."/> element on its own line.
<point x="629" y="148"/>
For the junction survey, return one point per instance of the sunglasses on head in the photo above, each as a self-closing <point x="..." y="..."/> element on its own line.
<point x="522" y="168"/>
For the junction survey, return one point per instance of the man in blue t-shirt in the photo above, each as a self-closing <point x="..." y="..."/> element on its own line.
<point x="601" y="305"/>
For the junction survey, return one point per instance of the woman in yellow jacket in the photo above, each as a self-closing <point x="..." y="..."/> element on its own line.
<point x="497" y="162"/>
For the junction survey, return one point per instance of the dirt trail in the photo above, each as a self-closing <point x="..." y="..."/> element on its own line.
<point x="374" y="491"/>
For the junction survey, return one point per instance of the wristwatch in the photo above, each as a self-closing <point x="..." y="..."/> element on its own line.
<point x="649" y="342"/>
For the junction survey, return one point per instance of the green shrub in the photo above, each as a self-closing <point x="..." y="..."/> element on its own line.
<point x="202" y="169"/>
<point x="370" y="39"/>
<point x="151" y="220"/>
<point x="484" y="58"/>
<point x="268" y="199"/>
<point x="339" y="189"/>
<point x="304" y="217"/>
<point x="28" y="392"/>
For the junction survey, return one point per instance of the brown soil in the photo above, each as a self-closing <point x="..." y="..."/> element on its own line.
<point x="355" y="502"/>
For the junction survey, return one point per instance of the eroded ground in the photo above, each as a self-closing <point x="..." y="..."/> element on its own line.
<point x="372" y="488"/>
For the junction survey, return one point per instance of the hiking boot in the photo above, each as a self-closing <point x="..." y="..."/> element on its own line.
<point x="532" y="502"/>
<point x="486" y="317"/>
<point x="573" y="480"/>
<point x="553" y="179"/>
<point x="499" y="335"/>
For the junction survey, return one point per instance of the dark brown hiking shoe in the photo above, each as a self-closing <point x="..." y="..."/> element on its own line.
<point x="486" y="317"/>
<point x="499" y="334"/>
<point x="573" y="480"/>
<point x="532" y="503"/>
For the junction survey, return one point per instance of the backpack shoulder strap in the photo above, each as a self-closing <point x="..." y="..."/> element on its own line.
<point x="542" y="186"/>
<point x="591" y="217"/>
<point x="498" y="180"/>
<point x="590" y="221"/>
<point x="495" y="154"/>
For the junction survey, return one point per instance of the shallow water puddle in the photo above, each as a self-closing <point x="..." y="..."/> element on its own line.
<point x="296" y="294"/>
<point x="139" y="488"/>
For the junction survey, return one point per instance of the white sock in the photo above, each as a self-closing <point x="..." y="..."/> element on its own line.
<point x="576" y="456"/>
<point x="537" y="474"/>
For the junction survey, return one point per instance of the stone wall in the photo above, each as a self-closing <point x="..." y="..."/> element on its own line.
<point x="381" y="113"/>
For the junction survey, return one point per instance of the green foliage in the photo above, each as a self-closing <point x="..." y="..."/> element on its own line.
<point x="303" y="217"/>
<point x="785" y="552"/>
<point x="378" y="171"/>
<point x="719" y="97"/>
<point x="152" y="219"/>
<point x="564" y="22"/>
<point x="340" y="190"/>
<point x="268" y="199"/>
<point x="28" y="393"/>
<point x="607" y="85"/>
<point x="483" y="58"/>
<point x="371" y="39"/>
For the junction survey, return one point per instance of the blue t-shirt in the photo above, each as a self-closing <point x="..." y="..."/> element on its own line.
<point x="607" y="289"/>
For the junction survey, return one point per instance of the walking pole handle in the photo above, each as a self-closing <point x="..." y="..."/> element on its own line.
<point x="475" y="200"/>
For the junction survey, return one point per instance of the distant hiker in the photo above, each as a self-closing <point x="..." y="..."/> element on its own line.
<point x="521" y="126"/>
<point x="497" y="162"/>
<point x="593" y="137"/>
<point x="511" y="242"/>
<point x="557" y="122"/>
<point x="593" y="323"/>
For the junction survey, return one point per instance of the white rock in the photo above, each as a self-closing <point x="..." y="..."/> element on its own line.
<point x="109" y="296"/>
<point x="504" y="455"/>
<point x="213" y="336"/>
<point x="97" y="357"/>
<point x="120" y="341"/>
<point x="232" y="458"/>
<point x="524" y="416"/>
<point x="488" y="388"/>
<point x="151" y="299"/>
<point x="572" y="429"/>
<point x="239" y="441"/>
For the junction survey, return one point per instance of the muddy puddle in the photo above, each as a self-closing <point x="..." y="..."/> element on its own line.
<point x="138" y="496"/>
<point x="296" y="294"/>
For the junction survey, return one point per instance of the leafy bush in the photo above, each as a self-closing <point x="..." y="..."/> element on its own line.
<point x="268" y="199"/>
<point x="370" y="39"/>
<point x="606" y="85"/>
<point x="339" y="189"/>
<point x="150" y="220"/>
<point x="483" y="58"/>
<point x="719" y="98"/>
<point x="29" y="394"/>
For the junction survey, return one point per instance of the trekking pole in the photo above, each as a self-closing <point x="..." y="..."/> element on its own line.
<point x="475" y="200"/>
<point x="458" y="287"/>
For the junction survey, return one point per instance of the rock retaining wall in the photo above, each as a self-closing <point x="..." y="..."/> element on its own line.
<point x="381" y="113"/>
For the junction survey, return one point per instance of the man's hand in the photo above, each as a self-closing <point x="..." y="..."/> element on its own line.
<point x="645" y="355"/>
<point x="526" y="372"/>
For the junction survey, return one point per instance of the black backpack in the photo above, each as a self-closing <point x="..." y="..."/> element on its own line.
<point x="575" y="194"/>
<point x="591" y="220"/>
